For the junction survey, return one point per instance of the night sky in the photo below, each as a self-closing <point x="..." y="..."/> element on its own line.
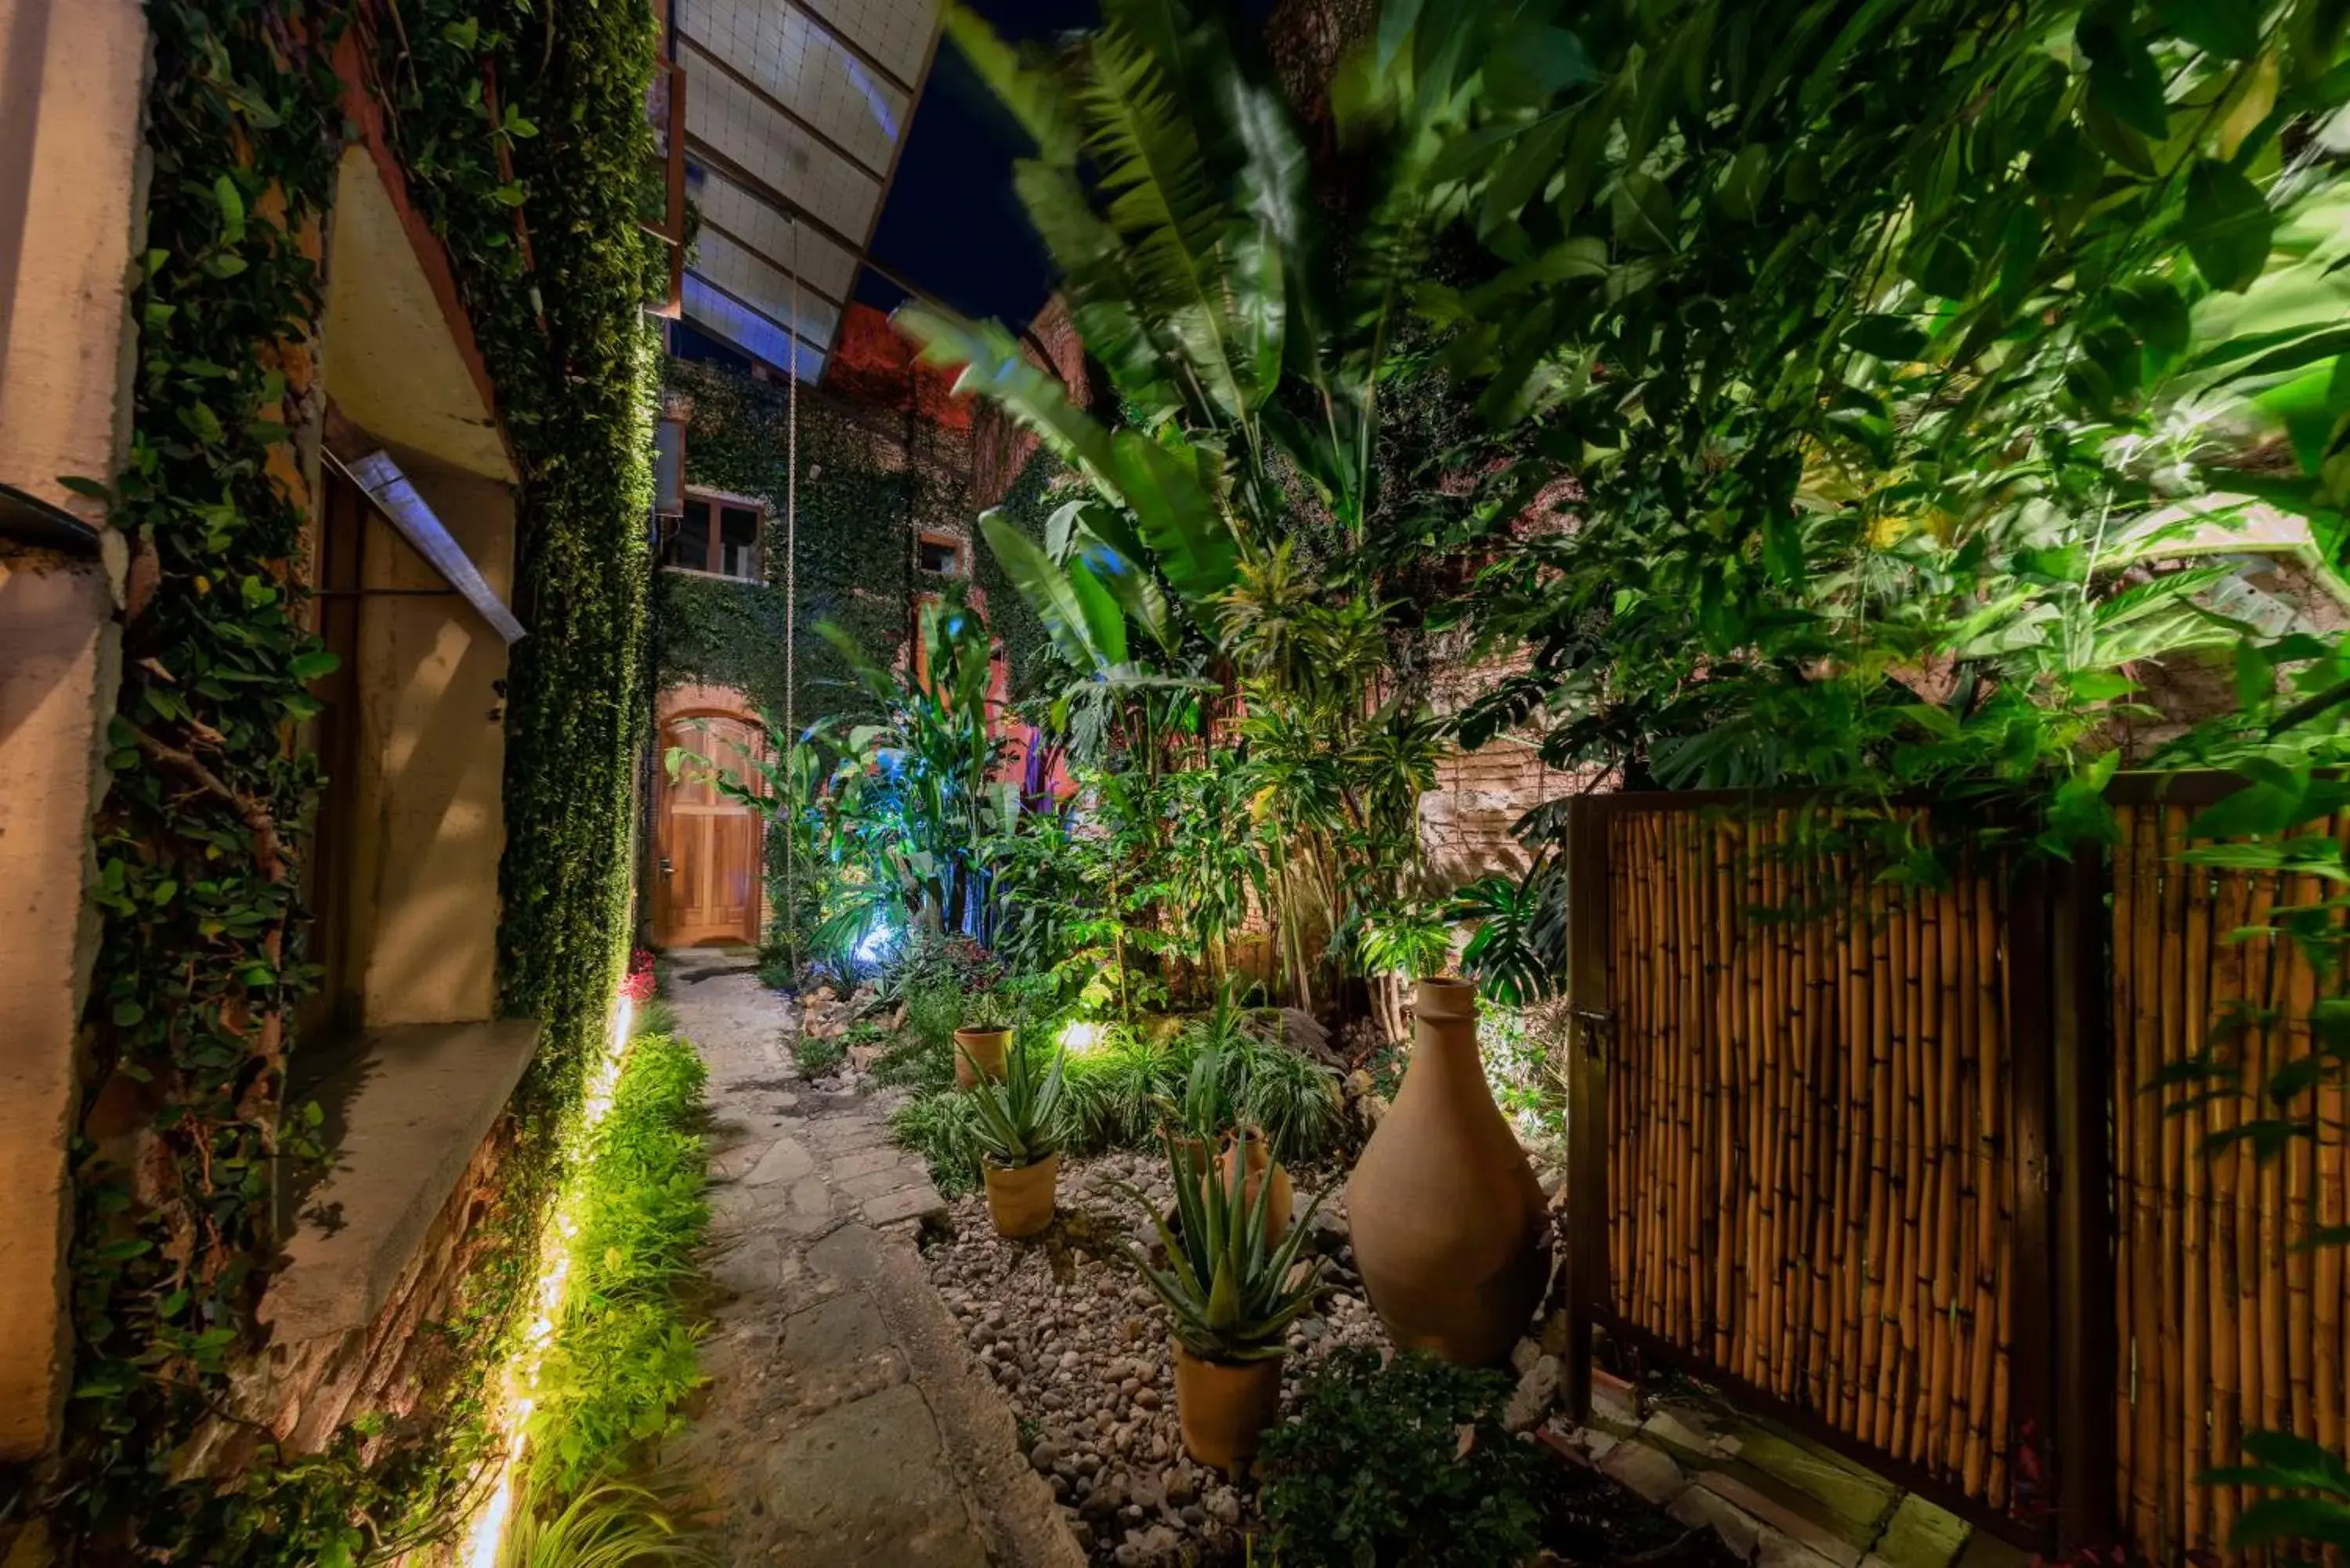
<point x="951" y="223"/>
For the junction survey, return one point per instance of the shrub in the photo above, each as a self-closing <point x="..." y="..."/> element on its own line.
<point x="819" y="1054"/>
<point x="1295" y="1100"/>
<point x="623" y="1355"/>
<point x="922" y="1057"/>
<point x="1371" y="1469"/>
<point x="943" y="1129"/>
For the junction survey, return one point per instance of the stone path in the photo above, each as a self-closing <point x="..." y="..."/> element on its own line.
<point x="845" y="1423"/>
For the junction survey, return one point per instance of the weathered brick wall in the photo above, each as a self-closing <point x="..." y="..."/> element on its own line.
<point x="1466" y="821"/>
<point x="404" y="1367"/>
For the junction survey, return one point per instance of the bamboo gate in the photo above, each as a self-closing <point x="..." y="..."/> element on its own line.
<point x="1884" y="1161"/>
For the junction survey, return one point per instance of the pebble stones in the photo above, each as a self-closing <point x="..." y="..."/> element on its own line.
<point x="1069" y="1332"/>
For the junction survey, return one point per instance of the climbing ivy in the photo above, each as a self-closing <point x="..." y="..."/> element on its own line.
<point x="556" y="301"/>
<point x="858" y="514"/>
<point x="200" y="840"/>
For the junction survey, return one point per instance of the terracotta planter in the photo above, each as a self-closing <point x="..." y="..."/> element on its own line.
<point x="1020" y="1196"/>
<point x="1447" y="1220"/>
<point x="1192" y="1153"/>
<point x="1284" y="1200"/>
<point x="986" y="1047"/>
<point x="1226" y="1407"/>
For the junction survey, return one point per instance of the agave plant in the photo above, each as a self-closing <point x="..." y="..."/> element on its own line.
<point x="1228" y="1297"/>
<point x="1207" y="1106"/>
<point x="1017" y="1118"/>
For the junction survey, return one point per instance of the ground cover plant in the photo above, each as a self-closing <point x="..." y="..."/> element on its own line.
<point x="1402" y="1463"/>
<point x="622" y="1356"/>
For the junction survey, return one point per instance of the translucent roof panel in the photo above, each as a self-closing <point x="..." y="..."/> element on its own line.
<point x="755" y="282"/>
<point x="756" y="336"/>
<point x="731" y="211"/>
<point x="794" y="109"/>
<point x="806" y="68"/>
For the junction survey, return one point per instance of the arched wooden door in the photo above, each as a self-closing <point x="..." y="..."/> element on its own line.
<point x="707" y="882"/>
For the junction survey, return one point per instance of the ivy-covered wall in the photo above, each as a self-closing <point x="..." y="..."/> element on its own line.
<point x="201" y="840"/>
<point x="871" y="481"/>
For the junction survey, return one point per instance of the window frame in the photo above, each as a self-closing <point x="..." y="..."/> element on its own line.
<point x="958" y="550"/>
<point x="718" y="501"/>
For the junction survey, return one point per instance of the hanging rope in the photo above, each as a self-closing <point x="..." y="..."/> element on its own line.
<point x="791" y="611"/>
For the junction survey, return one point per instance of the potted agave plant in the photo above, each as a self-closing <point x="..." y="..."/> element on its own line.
<point x="980" y="1042"/>
<point x="1020" y="1152"/>
<point x="1192" y="1122"/>
<point x="1207" y="1119"/>
<point x="1231" y="1294"/>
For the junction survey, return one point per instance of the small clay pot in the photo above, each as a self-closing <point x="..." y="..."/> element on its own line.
<point x="1020" y="1196"/>
<point x="1226" y="1407"/>
<point x="1193" y="1153"/>
<point x="1259" y="1158"/>
<point x="984" y="1047"/>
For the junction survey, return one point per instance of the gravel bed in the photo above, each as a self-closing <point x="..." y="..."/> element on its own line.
<point x="1078" y="1344"/>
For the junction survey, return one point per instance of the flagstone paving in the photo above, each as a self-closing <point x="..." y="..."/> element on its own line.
<point x="845" y="1423"/>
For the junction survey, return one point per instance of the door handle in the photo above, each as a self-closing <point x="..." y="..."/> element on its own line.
<point x="666" y="870"/>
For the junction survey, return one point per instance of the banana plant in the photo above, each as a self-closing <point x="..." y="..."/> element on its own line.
<point x="1228" y="1297"/>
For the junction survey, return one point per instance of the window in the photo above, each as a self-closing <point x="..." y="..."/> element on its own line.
<point x="718" y="536"/>
<point x="940" y="555"/>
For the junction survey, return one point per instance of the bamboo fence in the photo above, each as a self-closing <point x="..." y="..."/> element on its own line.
<point x="2223" y="1323"/>
<point x="1832" y="1116"/>
<point x="1808" y="1135"/>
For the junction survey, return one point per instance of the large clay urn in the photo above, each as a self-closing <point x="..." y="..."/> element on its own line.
<point x="1447" y="1220"/>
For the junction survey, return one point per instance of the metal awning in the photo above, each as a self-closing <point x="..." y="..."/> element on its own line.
<point x="794" y="109"/>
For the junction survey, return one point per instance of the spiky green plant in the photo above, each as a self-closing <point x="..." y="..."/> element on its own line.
<point x="943" y="1129"/>
<point x="1018" y="1118"/>
<point x="1207" y="1106"/>
<point x="1229" y="1296"/>
<point x="608" y="1525"/>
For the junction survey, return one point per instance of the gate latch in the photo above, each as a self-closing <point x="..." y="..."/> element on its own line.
<point x="1595" y="1027"/>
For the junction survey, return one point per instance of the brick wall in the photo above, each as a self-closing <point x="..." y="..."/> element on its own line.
<point x="1465" y="821"/>
<point x="404" y="1365"/>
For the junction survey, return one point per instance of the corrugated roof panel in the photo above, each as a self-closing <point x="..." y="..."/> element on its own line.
<point x="749" y="331"/>
<point x="755" y="281"/>
<point x="802" y="66"/>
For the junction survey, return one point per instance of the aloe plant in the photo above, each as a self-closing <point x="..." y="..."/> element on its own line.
<point x="1015" y="1122"/>
<point x="1228" y="1297"/>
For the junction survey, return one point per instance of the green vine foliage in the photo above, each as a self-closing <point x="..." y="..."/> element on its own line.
<point x="199" y="840"/>
<point x="861" y="508"/>
<point x="564" y="336"/>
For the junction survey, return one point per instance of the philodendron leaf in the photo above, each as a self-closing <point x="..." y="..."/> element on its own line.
<point x="2228" y="225"/>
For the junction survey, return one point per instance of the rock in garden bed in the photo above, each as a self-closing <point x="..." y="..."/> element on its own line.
<point x="1078" y="1344"/>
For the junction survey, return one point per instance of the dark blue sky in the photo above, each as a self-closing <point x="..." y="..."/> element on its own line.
<point x="953" y="224"/>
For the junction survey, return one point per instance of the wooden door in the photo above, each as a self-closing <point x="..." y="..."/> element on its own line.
<point x="706" y="886"/>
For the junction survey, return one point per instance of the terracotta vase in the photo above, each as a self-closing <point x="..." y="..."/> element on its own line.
<point x="1259" y="1159"/>
<point x="1020" y="1196"/>
<point x="984" y="1047"/>
<point x="1226" y="1407"/>
<point x="1447" y="1220"/>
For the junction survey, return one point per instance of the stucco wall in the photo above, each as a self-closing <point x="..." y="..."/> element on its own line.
<point x="431" y="822"/>
<point x="72" y="81"/>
